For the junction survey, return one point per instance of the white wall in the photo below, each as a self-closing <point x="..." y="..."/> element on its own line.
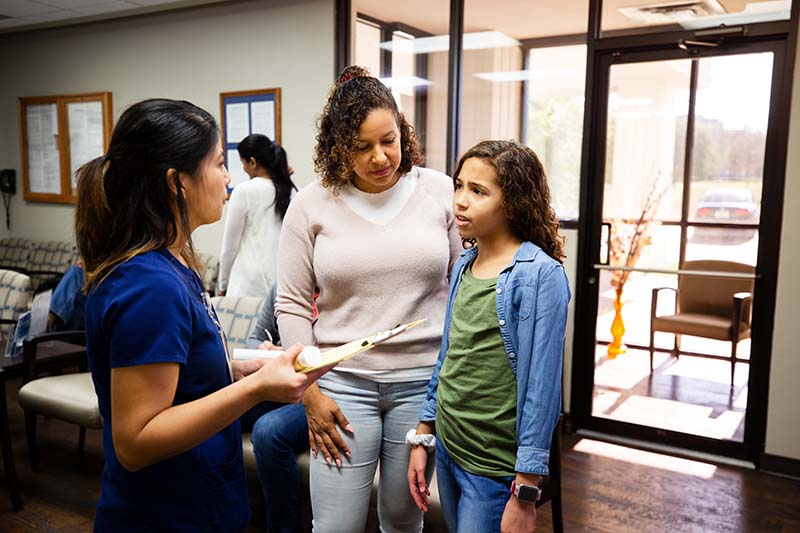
<point x="191" y="54"/>
<point x="783" y="420"/>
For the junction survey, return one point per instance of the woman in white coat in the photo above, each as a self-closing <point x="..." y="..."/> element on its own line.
<point x="253" y="220"/>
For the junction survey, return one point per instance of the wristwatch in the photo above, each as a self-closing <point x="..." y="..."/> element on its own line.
<point x="526" y="493"/>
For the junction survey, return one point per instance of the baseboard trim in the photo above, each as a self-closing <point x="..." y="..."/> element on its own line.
<point x="665" y="449"/>
<point x="781" y="466"/>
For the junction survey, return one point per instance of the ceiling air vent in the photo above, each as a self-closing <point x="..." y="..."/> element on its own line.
<point x="673" y="11"/>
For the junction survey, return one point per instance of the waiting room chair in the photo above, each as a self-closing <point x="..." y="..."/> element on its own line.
<point x="48" y="260"/>
<point x="210" y="272"/>
<point x="14" y="254"/>
<point x="15" y="298"/>
<point x="238" y="316"/>
<point x="67" y="397"/>
<point x="712" y="307"/>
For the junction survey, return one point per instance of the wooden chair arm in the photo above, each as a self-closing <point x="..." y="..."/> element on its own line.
<point x="654" y="299"/>
<point x="30" y="343"/>
<point x="740" y="300"/>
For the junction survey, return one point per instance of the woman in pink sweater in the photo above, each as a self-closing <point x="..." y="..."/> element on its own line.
<point x="376" y="235"/>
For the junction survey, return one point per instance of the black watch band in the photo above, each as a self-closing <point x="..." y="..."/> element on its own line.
<point x="526" y="493"/>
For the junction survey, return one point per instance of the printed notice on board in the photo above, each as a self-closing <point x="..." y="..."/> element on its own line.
<point x="237" y="123"/>
<point x="262" y="118"/>
<point x="44" y="162"/>
<point x="85" y="134"/>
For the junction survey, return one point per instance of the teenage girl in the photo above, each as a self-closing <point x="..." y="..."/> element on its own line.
<point x="495" y="396"/>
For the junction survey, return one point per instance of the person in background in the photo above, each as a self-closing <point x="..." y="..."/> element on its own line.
<point x="169" y="395"/>
<point x="377" y="236"/>
<point x="279" y="434"/>
<point x="253" y="220"/>
<point x="495" y="396"/>
<point x="68" y="301"/>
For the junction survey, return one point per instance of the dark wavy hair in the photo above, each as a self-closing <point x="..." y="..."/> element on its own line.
<point x="526" y="195"/>
<point x="272" y="157"/>
<point x="126" y="205"/>
<point x="350" y="100"/>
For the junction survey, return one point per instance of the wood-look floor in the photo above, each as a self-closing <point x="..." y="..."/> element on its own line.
<point x="606" y="488"/>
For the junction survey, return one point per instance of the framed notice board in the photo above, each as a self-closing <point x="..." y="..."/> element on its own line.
<point x="58" y="134"/>
<point x="244" y="113"/>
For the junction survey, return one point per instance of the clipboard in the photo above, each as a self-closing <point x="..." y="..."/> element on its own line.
<point x="312" y="360"/>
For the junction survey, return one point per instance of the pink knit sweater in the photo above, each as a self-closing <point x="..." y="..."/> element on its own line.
<point x="370" y="277"/>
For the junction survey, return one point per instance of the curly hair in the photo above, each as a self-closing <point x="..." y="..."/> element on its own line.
<point x="526" y="195"/>
<point x="350" y="100"/>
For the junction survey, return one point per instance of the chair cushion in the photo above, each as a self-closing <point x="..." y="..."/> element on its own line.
<point x="699" y="325"/>
<point x="433" y="517"/>
<point x="14" y="253"/>
<point x="70" y="397"/>
<point x="15" y="294"/>
<point x="238" y="316"/>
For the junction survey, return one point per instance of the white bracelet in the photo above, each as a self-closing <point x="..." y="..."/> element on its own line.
<point x="427" y="441"/>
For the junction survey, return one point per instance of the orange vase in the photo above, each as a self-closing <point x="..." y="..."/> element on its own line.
<point x="617" y="329"/>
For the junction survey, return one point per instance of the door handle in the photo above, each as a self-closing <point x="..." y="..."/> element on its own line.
<point x="605" y="236"/>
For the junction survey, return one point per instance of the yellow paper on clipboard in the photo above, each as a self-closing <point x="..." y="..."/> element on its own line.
<point x="346" y="351"/>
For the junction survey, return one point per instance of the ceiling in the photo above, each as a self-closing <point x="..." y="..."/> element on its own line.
<point x="525" y="19"/>
<point x="19" y="15"/>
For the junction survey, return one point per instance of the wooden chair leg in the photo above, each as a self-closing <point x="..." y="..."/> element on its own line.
<point x="734" y="345"/>
<point x="652" y="347"/>
<point x="30" y="434"/>
<point x="82" y="441"/>
<point x="557" y="511"/>
<point x="676" y="347"/>
<point x="8" y="456"/>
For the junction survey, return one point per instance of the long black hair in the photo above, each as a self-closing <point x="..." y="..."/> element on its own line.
<point x="271" y="156"/>
<point x="126" y="203"/>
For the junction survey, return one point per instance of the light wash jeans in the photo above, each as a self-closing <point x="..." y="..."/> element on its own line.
<point x="381" y="414"/>
<point x="470" y="503"/>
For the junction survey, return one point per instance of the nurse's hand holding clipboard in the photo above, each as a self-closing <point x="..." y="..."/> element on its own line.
<point x="276" y="379"/>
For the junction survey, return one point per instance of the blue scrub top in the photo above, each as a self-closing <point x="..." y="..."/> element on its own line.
<point x="150" y="309"/>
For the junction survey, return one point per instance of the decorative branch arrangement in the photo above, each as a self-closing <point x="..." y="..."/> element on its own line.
<point x="629" y="241"/>
<point x="626" y="246"/>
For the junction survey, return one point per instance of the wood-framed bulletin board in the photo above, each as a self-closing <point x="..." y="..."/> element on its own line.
<point x="243" y="113"/>
<point x="58" y="134"/>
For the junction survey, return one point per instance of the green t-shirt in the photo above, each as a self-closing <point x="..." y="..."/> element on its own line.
<point x="476" y="418"/>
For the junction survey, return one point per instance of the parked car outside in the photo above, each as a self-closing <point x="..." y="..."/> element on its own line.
<point x="726" y="206"/>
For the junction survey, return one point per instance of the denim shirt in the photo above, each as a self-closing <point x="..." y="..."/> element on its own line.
<point x="532" y="296"/>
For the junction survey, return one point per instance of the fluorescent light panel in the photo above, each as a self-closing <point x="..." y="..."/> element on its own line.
<point x="441" y="43"/>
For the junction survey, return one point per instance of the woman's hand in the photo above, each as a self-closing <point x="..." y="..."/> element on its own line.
<point x="518" y="517"/>
<point x="242" y="369"/>
<point x="266" y="345"/>
<point x="278" y="380"/>
<point x="323" y="415"/>
<point x="420" y="492"/>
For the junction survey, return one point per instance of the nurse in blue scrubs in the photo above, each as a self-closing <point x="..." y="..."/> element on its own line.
<point x="169" y="395"/>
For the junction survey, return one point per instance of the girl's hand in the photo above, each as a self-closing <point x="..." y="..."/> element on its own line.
<point x="420" y="492"/>
<point x="518" y="517"/>
<point x="323" y="415"/>
<point x="278" y="380"/>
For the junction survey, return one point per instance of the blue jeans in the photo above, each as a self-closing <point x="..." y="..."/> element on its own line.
<point x="278" y="436"/>
<point x="470" y="503"/>
<point x="381" y="414"/>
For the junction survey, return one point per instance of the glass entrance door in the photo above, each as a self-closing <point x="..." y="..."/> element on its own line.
<point x="682" y="180"/>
